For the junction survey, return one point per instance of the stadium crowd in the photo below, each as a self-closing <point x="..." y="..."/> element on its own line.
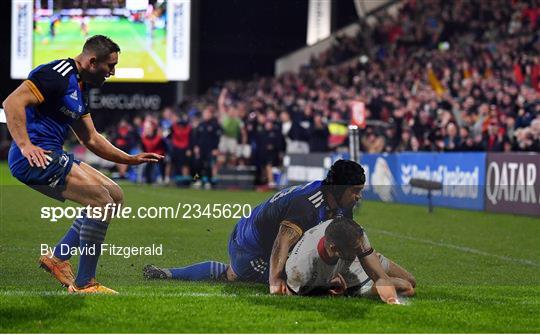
<point x="435" y="76"/>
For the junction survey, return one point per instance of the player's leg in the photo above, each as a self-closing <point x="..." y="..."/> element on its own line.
<point x="87" y="186"/>
<point x="208" y="270"/>
<point x="71" y="239"/>
<point x="51" y="182"/>
<point x="99" y="178"/>
<point x="203" y="271"/>
<point x="243" y="266"/>
<point x="246" y="265"/>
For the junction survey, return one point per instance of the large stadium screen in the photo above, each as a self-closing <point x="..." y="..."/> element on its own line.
<point x="153" y="35"/>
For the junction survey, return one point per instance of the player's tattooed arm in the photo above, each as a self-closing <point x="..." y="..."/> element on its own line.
<point x="288" y="234"/>
<point x="383" y="284"/>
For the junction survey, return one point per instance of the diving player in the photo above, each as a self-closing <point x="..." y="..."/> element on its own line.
<point x="40" y="113"/>
<point x="259" y="244"/>
<point x="335" y="257"/>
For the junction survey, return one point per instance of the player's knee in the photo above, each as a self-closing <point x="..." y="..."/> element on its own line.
<point x="116" y="194"/>
<point x="101" y="197"/>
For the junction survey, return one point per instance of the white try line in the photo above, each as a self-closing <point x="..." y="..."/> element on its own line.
<point x="459" y="248"/>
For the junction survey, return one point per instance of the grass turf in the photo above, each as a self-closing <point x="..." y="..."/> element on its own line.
<point x="476" y="273"/>
<point x="130" y="36"/>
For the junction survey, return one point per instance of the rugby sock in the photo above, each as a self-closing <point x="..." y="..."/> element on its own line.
<point x="92" y="235"/>
<point x="70" y="240"/>
<point x="209" y="270"/>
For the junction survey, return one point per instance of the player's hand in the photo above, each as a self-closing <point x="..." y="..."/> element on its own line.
<point x="387" y="291"/>
<point x="36" y="156"/>
<point x="278" y="286"/>
<point x="339" y="285"/>
<point x="145" y="157"/>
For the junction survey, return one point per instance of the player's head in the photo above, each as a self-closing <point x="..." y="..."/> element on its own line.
<point x="343" y="236"/>
<point x="345" y="181"/>
<point x="101" y="54"/>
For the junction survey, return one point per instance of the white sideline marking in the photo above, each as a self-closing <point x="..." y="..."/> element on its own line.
<point x="460" y="248"/>
<point x="22" y="293"/>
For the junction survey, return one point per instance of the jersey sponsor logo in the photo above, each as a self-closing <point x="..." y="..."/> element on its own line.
<point x="69" y="113"/>
<point x="317" y="199"/>
<point x="63" y="67"/>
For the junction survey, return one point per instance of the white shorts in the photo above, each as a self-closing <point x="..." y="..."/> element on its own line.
<point x="244" y="151"/>
<point x="228" y="145"/>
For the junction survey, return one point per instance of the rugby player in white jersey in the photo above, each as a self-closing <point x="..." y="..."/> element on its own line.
<point x="336" y="258"/>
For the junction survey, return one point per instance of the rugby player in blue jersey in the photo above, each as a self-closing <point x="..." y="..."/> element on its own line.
<point x="40" y="114"/>
<point x="259" y="245"/>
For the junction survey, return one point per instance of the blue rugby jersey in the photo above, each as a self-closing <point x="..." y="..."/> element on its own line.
<point x="62" y="101"/>
<point x="302" y="207"/>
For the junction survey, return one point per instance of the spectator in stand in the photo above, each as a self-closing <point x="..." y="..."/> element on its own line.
<point x="405" y="143"/>
<point x="165" y="124"/>
<point x="423" y="127"/>
<point x="180" y="143"/>
<point x="390" y="139"/>
<point x="205" y="147"/>
<point x="152" y="141"/>
<point x="493" y="137"/>
<point x="371" y="142"/>
<point x="414" y="144"/>
<point x="452" y="141"/>
<point x="318" y="134"/>
<point x="126" y="139"/>
<point x="269" y="147"/>
<point x="231" y="125"/>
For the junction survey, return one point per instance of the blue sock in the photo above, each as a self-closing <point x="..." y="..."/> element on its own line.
<point x="91" y="236"/>
<point x="70" y="240"/>
<point x="209" y="270"/>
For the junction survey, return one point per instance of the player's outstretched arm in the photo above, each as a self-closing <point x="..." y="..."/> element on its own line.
<point x="98" y="144"/>
<point x="383" y="284"/>
<point x="14" y="107"/>
<point x="285" y="238"/>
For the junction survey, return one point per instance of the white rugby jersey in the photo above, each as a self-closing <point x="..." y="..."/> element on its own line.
<point x="309" y="268"/>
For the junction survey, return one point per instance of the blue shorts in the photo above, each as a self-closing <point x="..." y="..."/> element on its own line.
<point x="50" y="181"/>
<point x="248" y="265"/>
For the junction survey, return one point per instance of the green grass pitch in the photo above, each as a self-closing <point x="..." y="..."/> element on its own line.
<point x="136" y="52"/>
<point x="476" y="273"/>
